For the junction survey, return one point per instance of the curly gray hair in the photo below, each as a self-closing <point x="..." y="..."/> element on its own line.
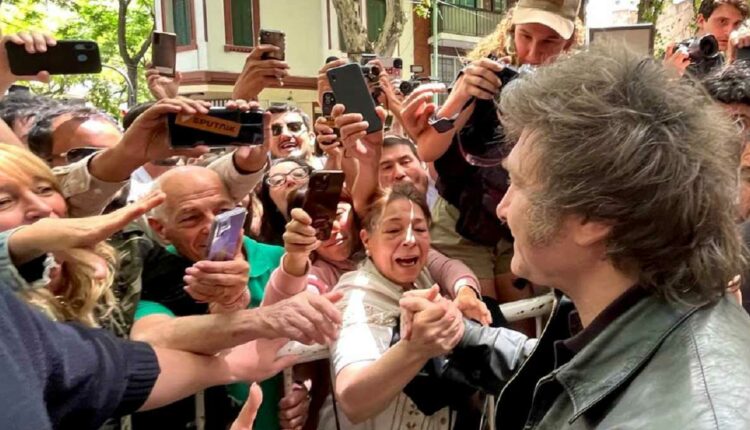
<point x="619" y="140"/>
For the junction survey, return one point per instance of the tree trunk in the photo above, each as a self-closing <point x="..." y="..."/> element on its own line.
<point x="350" y="23"/>
<point x="395" y="17"/>
<point x="131" y="61"/>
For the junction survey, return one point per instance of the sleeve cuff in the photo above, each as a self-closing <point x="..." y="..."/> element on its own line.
<point x="239" y="184"/>
<point x="143" y="370"/>
<point x="8" y="271"/>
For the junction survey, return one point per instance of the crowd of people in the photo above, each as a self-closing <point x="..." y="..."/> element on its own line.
<point x="615" y="183"/>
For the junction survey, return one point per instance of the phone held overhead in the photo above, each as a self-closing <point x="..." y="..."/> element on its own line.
<point x="220" y="127"/>
<point x="67" y="57"/>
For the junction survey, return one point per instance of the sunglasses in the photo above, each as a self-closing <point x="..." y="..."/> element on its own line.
<point x="279" y="179"/>
<point x="294" y="128"/>
<point x="77" y="154"/>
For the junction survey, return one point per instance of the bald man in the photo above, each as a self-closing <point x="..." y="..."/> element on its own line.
<point x="179" y="291"/>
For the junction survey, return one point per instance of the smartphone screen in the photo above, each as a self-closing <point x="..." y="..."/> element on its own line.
<point x="220" y="127"/>
<point x="164" y="52"/>
<point x="225" y="235"/>
<point x="322" y="199"/>
<point x="350" y="89"/>
<point x="68" y="57"/>
<point x="275" y="38"/>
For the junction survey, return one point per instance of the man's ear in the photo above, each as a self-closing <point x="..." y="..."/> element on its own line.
<point x="700" y="21"/>
<point x="589" y="232"/>
<point x="158" y="228"/>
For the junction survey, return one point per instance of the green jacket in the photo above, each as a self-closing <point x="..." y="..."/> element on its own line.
<point x="656" y="366"/>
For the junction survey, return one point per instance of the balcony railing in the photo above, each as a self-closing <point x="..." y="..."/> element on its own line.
<point x="466" y="21"/>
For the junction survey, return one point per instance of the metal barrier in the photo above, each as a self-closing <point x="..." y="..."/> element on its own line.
<point x="536" y="307"/>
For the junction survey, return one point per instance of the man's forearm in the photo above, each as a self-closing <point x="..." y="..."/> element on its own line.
<point x="201" y="334"/>
<point x="487" y="357"/>
<point x="112" y="166"/>
<point x="366" y="185"/>
<point x="183" y="374"/>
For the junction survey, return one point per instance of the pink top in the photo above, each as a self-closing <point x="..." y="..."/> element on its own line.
<point x="322" y="275"/>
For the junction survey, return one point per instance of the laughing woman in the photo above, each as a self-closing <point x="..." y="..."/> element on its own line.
<point x="370" y="372"/>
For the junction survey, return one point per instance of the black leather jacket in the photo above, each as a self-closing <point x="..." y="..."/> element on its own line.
<point x="657" y="366"/>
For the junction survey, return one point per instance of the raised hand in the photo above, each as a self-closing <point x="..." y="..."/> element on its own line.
<point x="34" y="42"/>
<point x="258" y="74"/>
<point x="63" y="234"/>
<point x="163" y="87"/>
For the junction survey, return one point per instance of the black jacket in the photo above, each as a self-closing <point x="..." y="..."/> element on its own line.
<point x="55" y="375"/>
<point x="656" y="366"/>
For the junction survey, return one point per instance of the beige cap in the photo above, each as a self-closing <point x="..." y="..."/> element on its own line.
<point x="559" y="15"/>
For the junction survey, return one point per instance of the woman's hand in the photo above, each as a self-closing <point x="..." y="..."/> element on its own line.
<point x="472" y="307"/>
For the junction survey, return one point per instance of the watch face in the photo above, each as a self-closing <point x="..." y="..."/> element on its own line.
<point x="441" y="125"/>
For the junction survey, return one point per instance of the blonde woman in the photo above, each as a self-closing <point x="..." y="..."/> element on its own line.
<point x="67" y="286"/>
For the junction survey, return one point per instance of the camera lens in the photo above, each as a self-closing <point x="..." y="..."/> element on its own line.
<point x="83" y="58"/>
<point x="80" y="47"/>
<point x="90" y="46"/>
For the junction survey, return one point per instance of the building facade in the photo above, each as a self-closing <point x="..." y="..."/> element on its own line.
<point x="215" y="37"/>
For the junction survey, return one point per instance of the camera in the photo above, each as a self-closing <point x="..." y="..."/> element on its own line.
<point x="703" y="52"/>
<point x="408" y="87"/>
<point x="371" y="73"/>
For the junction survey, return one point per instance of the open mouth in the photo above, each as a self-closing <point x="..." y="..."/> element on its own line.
<point x="335" y="241"/>
<point x="407" y="261"/>
<point x="288" y="146"/>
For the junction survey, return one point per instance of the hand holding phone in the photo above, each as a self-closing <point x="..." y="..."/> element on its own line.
<point x="164" y="53"/>
<point x="321" y="200"/>
<point x="220" y="127"/>
<point x="225" y="235"/>
<point x="277" y="39"/>
<point x="350" y="89"/>
<point x="65" y="57"/>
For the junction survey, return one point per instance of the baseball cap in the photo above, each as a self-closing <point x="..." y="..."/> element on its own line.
<point x="559" y="15"/>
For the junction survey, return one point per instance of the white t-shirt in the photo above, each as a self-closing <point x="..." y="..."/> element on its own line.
<point x="370" y="311"/>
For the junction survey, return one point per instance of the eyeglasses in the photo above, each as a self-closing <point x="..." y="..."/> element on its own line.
<point x="295" y="128"/>
<point x="298" y="174"/>
<point x="77" y="154"/>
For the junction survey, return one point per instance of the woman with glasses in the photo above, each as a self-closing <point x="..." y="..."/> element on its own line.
<point x="284" y="177"/>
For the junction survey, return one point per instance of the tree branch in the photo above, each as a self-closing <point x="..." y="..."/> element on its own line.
<point x="350" y="23"/>
<point x="122" y="43"/>
<point x="393" y="26"/>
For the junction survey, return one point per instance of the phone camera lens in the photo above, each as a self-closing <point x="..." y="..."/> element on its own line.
<point x="90" y="46"/>
<point x="80" y="47"/>
<point x="83" y="58"/>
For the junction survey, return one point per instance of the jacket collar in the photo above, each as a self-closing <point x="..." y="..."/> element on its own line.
<point x="617" y="353"/>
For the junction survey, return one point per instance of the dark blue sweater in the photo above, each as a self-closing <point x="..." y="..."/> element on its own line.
<point x="56" y="375"/>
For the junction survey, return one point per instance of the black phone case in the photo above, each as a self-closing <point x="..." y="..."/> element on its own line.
<point x="275" y="38"/>
<point x="68" y="57"/>
<point x="322" y="199"/>
<point x="350" y="89"/>
<point x="251" y="130"/>
<point x="164" y="52"/>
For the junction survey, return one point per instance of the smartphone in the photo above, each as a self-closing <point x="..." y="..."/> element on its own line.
<point x="350" y="89"/>
<point x="221" y="127"/>
<point x="68" y="57"/>
<point x="164" y="52"/>
<point x="226" y="234"/>
<point x="275" y="38"/>
<point x="322" y="199"/>
<point x="329" y="101"/>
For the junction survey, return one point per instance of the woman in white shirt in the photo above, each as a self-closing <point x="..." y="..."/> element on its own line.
<point x="370" y="374"/>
